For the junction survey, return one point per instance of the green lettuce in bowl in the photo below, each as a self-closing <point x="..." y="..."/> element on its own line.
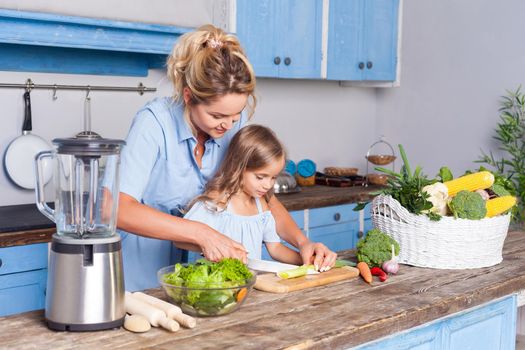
<point x="206" y="288"/>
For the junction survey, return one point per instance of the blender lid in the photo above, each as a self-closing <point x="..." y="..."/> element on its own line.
<point x="88" y="143"/>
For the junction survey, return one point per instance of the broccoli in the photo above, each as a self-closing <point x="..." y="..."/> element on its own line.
<point x="376" y="248"/>
<point x="468" y="205"/>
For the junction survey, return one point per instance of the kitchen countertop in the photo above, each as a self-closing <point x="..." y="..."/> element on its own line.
<point x="335" y="316"/>
<point x="24" y="224"/>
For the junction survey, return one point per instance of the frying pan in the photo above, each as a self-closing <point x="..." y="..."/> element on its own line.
<point x="20" y="155"/>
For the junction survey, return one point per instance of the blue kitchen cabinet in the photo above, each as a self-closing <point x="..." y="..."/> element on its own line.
<point x="282" y="38"/>
<point x="488" y="327"/>
<point x="23" y="276"/>
<point x="362" y="40"/>
<point x="337" y="227"/>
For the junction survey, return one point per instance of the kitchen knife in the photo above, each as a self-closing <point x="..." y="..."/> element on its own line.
<point x="273" y="266"/>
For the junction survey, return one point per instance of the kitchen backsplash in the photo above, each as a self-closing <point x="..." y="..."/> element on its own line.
<point x="317" y="120"/>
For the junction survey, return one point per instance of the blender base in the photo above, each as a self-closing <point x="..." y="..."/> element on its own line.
<point x="84" y="327"/>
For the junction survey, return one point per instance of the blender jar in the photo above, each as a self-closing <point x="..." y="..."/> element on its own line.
<point x="85" y="178"/>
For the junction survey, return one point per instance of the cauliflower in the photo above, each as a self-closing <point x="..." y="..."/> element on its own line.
<point x="468" y="205"/>
<point x="438" y="193"/>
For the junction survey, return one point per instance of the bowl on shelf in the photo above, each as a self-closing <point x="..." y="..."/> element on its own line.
<point x="381" y="159"/>
<point x="205" y="300"/>
<point x="285" y="183"/>
<point x="377" y="179"/>
<point x="338" y="171"/>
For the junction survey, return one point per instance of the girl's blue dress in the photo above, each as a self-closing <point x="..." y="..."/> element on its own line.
<point x="251" y="231"/>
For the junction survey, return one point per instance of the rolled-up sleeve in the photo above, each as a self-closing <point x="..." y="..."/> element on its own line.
<point x="142" y="150"/>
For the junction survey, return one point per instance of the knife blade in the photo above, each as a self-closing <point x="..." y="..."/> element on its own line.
<point x="273" y="266"/>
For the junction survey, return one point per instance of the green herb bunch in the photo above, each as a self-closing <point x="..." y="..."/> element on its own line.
<point x="407" y="188"/>
<point x="510" y="133"/>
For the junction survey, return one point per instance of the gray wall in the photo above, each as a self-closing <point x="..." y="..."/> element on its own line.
<point x="315" y="119"/>
<point x="458" y="58"/>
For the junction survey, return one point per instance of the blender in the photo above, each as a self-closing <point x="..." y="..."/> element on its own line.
<point x="85" y="284"/>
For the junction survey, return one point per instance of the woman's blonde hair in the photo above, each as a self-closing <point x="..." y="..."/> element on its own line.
<point x="210" y="63"/>
<point x="253" y="147"/>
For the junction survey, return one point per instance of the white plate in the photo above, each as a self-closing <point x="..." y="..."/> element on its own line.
<point x="20" y="160"/>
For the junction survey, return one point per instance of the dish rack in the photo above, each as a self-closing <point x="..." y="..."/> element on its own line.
<point x="381" y="159"/>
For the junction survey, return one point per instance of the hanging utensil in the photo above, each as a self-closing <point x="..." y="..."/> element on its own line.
<point x="20" y="154"/>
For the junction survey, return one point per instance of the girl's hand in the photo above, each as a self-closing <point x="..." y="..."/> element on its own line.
<point x="317" y="254"/>
<point x="216" y="246"/>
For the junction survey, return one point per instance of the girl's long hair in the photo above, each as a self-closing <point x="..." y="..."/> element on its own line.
<point x="253" y="147"/>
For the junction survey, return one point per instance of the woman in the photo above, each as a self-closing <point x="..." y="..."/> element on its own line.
<point x="175" y="145"/>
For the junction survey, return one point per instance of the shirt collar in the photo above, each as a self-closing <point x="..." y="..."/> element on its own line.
<point x="182" y="128"/>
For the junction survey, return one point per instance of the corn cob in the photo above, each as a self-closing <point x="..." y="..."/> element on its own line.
<point x="471" y="182"/>
<point x="499" y="205"/>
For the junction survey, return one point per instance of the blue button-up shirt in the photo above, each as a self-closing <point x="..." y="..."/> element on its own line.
<point x="158" y="168"/>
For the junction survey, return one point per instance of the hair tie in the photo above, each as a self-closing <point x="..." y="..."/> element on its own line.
<point x="214" y="43"/>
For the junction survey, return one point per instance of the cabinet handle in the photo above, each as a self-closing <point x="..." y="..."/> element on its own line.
<point x="287" y="61"/>
<point x="369" y="64"/>
<point x="277" y="60"/>
<point x="337" y="216"/>
<point x="0" y="262"/>
<point x="361" y="65"/>
<point x="360" y="234"/>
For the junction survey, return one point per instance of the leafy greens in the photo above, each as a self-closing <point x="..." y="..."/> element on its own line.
<point x="206" y="287"/>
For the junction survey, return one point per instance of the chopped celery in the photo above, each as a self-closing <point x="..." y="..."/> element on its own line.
<point x="342" y="262"/>
<point x="297" y="272"/>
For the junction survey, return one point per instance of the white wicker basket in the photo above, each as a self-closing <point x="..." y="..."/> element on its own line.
<point x="446" y="244"/>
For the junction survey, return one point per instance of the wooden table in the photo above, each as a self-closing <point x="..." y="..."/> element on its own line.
<point x="339" y="315"/>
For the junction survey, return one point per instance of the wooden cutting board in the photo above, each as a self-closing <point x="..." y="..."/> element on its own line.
<point x="270" y="282"/>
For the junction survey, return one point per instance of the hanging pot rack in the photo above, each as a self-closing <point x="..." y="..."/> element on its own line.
<point x="30" y="85"/>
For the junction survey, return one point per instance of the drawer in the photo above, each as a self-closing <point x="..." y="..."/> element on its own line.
<point x="21" y="292"/>
<point x="336" y="237"/>
<point x="332" y="215"/>
<point x="23" y="258"/>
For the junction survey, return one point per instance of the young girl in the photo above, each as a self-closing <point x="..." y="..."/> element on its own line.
<point x="235" y="201"/>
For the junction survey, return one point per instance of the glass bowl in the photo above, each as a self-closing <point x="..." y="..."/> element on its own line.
<point x="207" y="301"/>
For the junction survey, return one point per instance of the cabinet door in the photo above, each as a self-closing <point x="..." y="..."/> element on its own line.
<point x="487" y="327"/>
<point x="257" y="29"/>
<point x="23" y="258"/>
<point x="282" y="38"/>
<point x="380" y="39"/>
<point x="336" y="226"/>
<point x="21" y="292"/>
<point x="362" y="40"/>
<point x="490" y="327"/>
<point x="345" y="45"/>
<point x="300" y="24"/>
<point x="336" y="237"/>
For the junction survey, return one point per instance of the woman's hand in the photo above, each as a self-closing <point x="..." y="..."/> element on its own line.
<point x="216" y="246"/>
<point x="318" y="255"/>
